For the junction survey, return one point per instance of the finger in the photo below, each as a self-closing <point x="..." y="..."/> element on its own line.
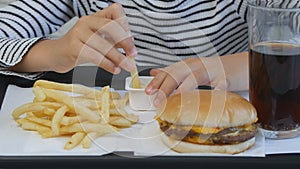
<point x="105" y="48"/>
<point x="188" y="84"/>
<point x="119" y="36"/>
<point x="167" y="87"/>
<point x="154" y="72"/>
<point x="110" y="52"/>
<point x="96" y="42"/>
<point x="89" y="54"/>
<point x="192" y="81"/>
<point x="177" y="72"/>
<point x="108" y="29"/>
<point x="155" y="83"/>
<point x="123" y="22"/>
<point x="116" y="13"/>
<point x="159" y="98"/>
<point x="163" y="84"/>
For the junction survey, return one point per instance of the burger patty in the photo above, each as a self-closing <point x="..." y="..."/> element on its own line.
<point x="231" y="135"/>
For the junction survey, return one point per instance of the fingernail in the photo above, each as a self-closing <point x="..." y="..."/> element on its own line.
<point x="153" y="91"/>
<point x="156" y="102"/>
<point x="129" y="65"/>
<point x="117" y="70"/>
<point x="133" y="52"/>
<point x="148" y="89"/>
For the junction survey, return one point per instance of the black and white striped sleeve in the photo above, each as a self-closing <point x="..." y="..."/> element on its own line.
<point x="241" y="8"/>
<point x="25" y="22"/>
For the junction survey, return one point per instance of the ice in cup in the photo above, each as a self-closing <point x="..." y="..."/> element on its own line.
<point x="138" y="99"/>
<point x="274" y="66"/>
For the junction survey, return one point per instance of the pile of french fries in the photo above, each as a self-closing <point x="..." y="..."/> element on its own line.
<point x="74" y="110"/>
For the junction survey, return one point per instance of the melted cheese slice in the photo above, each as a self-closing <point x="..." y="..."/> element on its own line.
<point x="198" y="129"/>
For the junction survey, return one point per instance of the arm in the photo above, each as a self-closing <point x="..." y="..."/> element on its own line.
<point x="81" y="45"/>
<point x="23" y="24"/>
<point x="222" y="73"/>
<point x="39" y="58"/>
<point x="94" y="39"/>
<point x="236" y="72"/>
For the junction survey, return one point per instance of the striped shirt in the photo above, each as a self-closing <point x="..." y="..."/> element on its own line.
<point x="165" y="31"/>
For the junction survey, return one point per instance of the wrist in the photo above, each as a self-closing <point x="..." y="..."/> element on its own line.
<point x="37" y="59"/>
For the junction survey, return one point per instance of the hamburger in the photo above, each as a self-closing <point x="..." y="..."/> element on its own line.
<point x="207" y="121"/>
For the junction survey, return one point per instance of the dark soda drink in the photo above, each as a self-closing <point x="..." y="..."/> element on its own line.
<point x="274" y="87"/>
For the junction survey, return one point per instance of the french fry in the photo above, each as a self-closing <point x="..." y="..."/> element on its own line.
<point x="66" y="121"/>
<point x="115" y="95"/>
<point x="91" y="127"/>
<point x="74" y="141"/>
<point x="88" y="127"/>
<point x="93" y="95"/>
<point x="40" y="121"/>
<point x="86" y="102"/>
<point x="46" y="133"/>
<point x="105" y="104"/>
<point x="68" y="100"/>
<point x="87" y="141"/>
<point x="120" y="112"/>
<point x="28" y="125"/>
<point x="55" y="125"/>
<point x="39" y="94"/>
<point x="21" y="121"/>
<point x="53" y="105"/>
<point x="92" y="104"/>
<point x="49" y="111"/>
<point x="65" y="87"/>
<point x="125" y="98"/>
<point x="76" y="127"/>
<point x="33" y="107"/>
<point x="85" y="116"/>
<point x="40" y="114"/>
<point x="121" y="103"/>
<point x="26" y="108"/>
<point x="35" y="100"/>
<point x="132" y="118"/>
<point x="135" y="76"/>
<point x="97" y="96"/>
<point x="119" y="121"/>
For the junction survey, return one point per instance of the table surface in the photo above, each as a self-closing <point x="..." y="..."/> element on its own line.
<point x="86" y="76"/>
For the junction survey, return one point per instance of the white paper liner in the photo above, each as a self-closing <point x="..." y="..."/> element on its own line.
<point x="142" y="138"/>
